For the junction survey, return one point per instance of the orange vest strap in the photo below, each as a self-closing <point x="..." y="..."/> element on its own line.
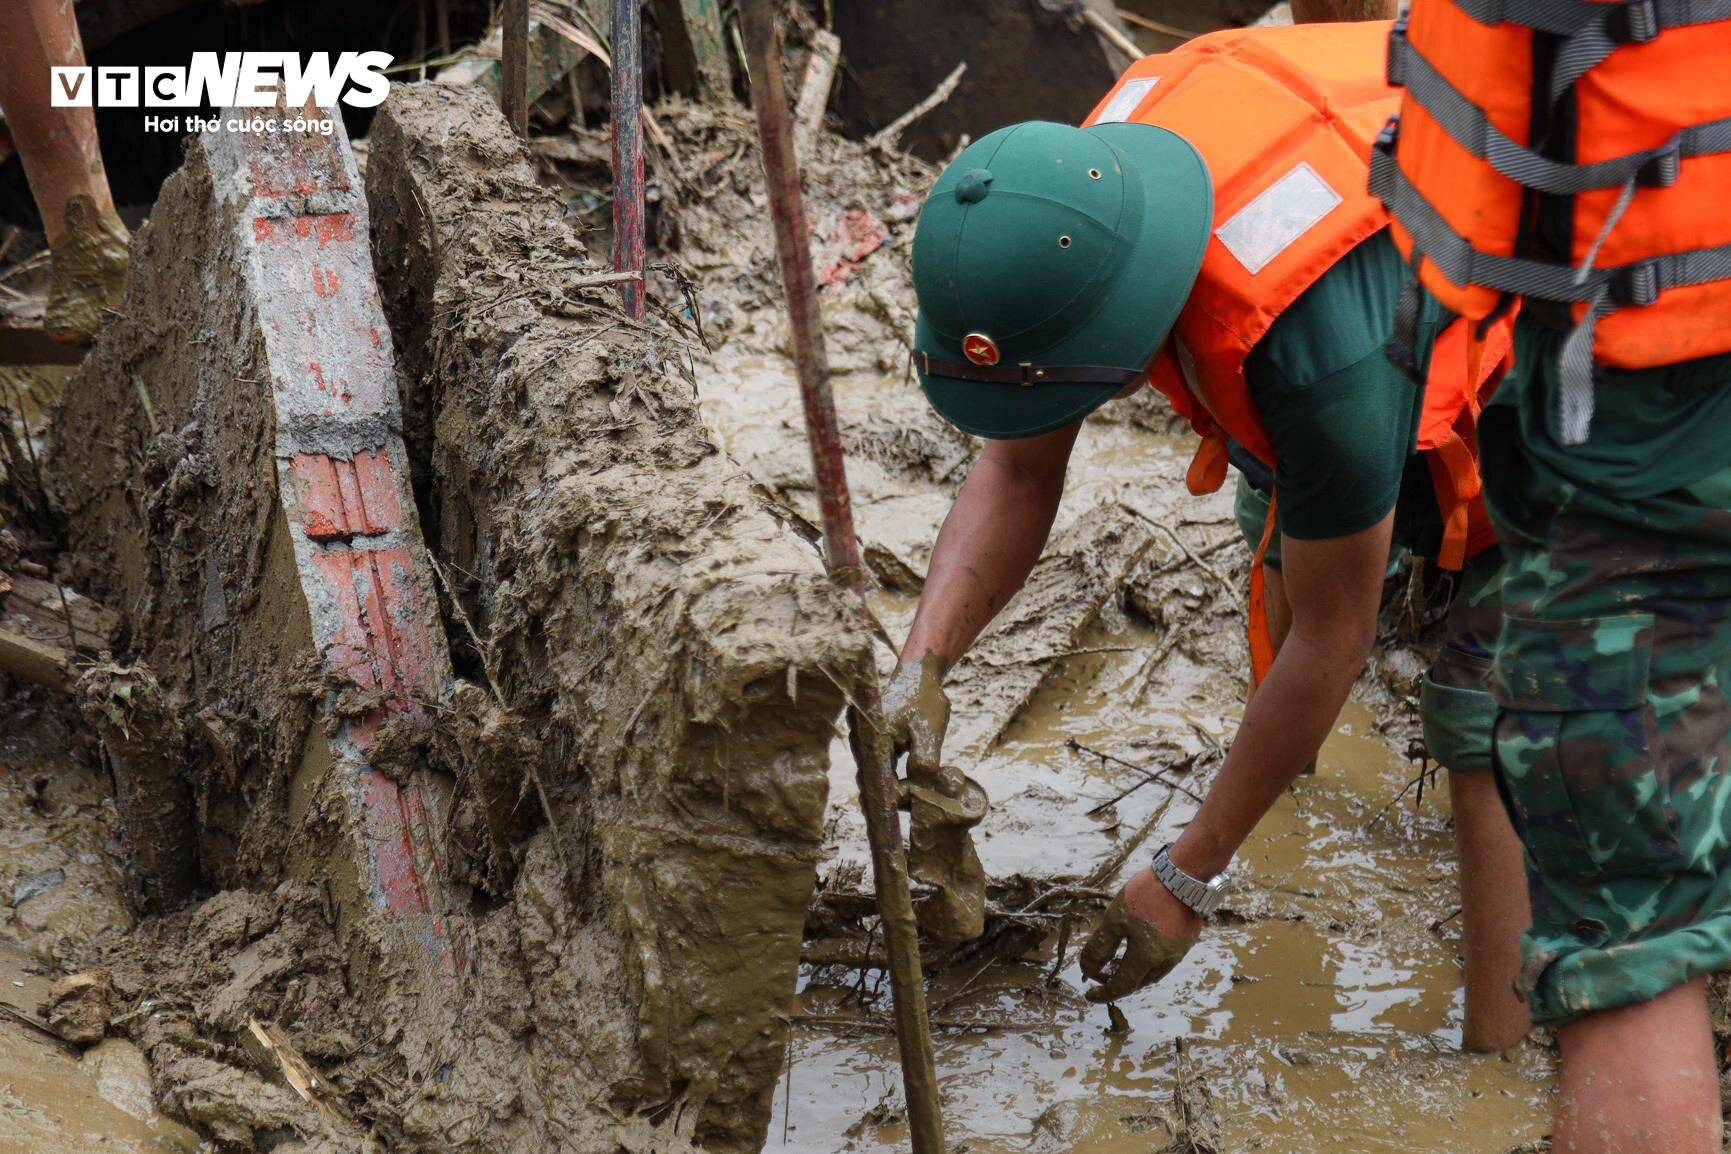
<point x="1455" y="477"/>
<point x="1256" y="624"/>
<point x="1208" y="467"/>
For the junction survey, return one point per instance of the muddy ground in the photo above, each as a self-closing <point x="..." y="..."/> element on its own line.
<point x="1323" y="1009"/>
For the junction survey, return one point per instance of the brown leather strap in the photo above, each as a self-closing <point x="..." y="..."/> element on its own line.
<point x="1025" y="373"/>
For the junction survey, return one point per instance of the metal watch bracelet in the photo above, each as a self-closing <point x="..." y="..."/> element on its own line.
<point x="1204" y="897"/>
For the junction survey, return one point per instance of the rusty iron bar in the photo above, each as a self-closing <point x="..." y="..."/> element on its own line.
<point x="872" y="749"/>
<point x="628" y="151"/>
<point x="514" y="66"/>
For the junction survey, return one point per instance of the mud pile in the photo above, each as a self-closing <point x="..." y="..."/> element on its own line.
<point x="664" y="636"/>
<point x="650" y="667"/>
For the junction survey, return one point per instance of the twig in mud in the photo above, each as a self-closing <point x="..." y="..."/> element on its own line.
<point x="1142" y="21"/>
<point x="25" y="265"/>
<point x="488" y="672"/>
<point x="1436" y="926"/>
<point x="1429" y="771"/>
<point x="601" y="278"/>
<point x="841" y="1023"/>
<point x="888" y="136"/>
<point x="1185" y="766"/>
<point x="1208" y="550"/>
<point x="1145" y="676"/>
<point x="1110" y="867"/>
<point x="1110" y="33"/>
<point x="1082" y="652"/>
<point x="1190" y="553"/>
<point x="12" y="1013"/>
<point x="1148" y="775"/>
<point x="1062" y="951"/>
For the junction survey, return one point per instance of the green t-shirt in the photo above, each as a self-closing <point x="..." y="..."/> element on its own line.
<point x="1653" y="431"/>
<point x="1341" y="418"/>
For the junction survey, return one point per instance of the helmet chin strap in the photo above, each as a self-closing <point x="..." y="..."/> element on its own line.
<point x="1024" y="373"/>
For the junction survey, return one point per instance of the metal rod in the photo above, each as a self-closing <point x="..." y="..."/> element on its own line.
<point x="877" y="780"/>
<point x="627" y="49"/>
<point x="514" y="66"/>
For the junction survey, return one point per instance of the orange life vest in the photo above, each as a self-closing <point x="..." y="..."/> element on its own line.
<point x="1610" y="119"/>
<point x="1286" y="119"/>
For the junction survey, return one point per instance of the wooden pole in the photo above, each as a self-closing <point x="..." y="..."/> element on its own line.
<point x="627" y="51"/>
<point x="872" y="749"/>
<point x="514" y="66"/>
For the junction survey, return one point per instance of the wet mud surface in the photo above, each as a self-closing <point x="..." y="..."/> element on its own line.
<point x="62" y="899"/>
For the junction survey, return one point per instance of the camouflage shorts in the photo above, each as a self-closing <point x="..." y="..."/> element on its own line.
<point x="1455" y="700"/>
<point x="1613" y="737"/>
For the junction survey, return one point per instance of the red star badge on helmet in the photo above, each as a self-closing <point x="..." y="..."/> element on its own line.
<point x="980" y="349"/>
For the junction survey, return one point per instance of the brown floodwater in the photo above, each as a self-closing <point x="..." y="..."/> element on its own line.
<point x="1323" y="1012"/>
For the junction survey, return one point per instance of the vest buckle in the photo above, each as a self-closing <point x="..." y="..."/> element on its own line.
<point x="1633" y="23"/>
<point x="1385" y="139"/>
<point x="1395" y="68"/>
<point x="1636" y="285"/>
<point x="1661" y="171"/>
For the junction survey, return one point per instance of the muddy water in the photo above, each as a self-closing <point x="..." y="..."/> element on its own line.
<point x="1322" y="1012"/>
<point x="1325" y="1011"/>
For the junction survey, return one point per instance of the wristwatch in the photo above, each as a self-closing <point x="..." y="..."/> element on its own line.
<point x="1204" y="897"/>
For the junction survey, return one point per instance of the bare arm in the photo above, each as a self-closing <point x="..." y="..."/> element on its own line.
<point x="1333" y="588"/>
<point x="990" y="541"/>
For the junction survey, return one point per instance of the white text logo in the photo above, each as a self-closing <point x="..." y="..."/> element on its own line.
<point x="229" y="80"/>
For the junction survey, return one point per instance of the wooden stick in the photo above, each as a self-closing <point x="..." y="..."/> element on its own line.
<point x="627" y="66"/>
<point x="814" y="90"/>
<point x="1141" y="21"/>
<point x="1112" y="34"/>
<point x="877" y="781"/>
<point x="514" y="66"/>
<point x="887" y="137"/>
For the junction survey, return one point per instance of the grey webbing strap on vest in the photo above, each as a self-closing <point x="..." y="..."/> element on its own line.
<point x="1605" y="289"/>
<point x="1638" y="284"/>
<point x="1024" y="373"/>
<point x="1469" y="127"/>
<point x="1593" y="30"/>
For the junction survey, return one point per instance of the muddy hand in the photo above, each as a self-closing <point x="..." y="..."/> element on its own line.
<point x="944" y="803"/>
<point x="1149" y="952"/>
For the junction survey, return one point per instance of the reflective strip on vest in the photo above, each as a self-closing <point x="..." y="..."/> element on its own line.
<point x="1280" y="214"/>
<point x="1124" y="103"/>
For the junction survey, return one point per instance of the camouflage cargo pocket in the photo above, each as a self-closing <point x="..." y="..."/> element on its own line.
<point x="1573" y="743"/>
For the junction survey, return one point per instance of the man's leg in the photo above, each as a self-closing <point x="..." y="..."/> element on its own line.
<point x="1640" y="1078"/>
<point x="1613" y="740"/>
<point x="63" y="162"/>
<point x="1494" y="911"/>
<point x="1459" y="717"/>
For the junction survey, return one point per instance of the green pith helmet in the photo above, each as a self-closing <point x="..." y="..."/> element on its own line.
<point x="1050" y="262"/>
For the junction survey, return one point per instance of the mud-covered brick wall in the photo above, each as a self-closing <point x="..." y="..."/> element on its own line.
<point x="673" y="642"/>
<point x="230" y="469"/>
<point x="163" y="464"/>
